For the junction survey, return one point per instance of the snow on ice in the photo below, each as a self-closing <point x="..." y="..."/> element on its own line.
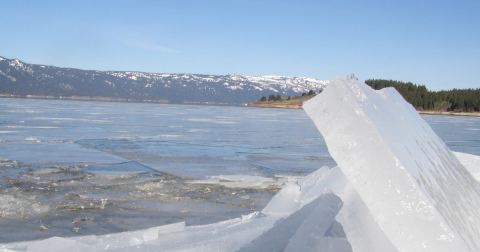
<point x="397" y="187"/>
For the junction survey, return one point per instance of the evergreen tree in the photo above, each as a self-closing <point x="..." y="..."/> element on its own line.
<point x="423" y="99"/>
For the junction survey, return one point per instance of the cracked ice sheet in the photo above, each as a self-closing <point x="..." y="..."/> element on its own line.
<point x="55" y="153"/>
<point x="416" y="189"/>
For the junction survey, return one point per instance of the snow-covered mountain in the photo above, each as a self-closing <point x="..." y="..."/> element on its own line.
<point x="19" y="78"/>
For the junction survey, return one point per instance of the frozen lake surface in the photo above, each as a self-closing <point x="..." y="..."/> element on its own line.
<point x="76" y="168"/>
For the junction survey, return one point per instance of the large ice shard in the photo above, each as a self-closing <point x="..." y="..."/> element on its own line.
<point x="362" y="232"/>
<point x="418" y="192"/>
<point x="302" y="230"/>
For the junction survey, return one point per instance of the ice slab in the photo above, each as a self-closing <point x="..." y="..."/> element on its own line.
<point x="360" y="228"/>
<point x="334" y="240"/>
<point x="362" y="232"/>
<point x="311" y="234"/>
<point x="301" y="230"/>
<point x="420" y="195"/>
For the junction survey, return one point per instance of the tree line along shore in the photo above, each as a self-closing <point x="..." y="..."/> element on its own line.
<point x="448" y="102"/>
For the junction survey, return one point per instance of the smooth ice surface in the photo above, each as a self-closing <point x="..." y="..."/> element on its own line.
<point x="414" y="186"/>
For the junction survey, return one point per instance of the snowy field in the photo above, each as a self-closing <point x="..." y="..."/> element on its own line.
<point x="74" y="169"/>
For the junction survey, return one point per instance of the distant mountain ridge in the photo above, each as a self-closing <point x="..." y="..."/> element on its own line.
<point x="23" y="79"/>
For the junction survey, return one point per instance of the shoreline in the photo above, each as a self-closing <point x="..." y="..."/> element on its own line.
<point x="269" y="105"/>
<point x="450" y="113"/>
<point x="298" y="106"/>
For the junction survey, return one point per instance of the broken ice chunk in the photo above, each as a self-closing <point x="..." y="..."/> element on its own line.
<point x="334" y="240"/>
<point x="295" y="195"/>
<point x="362" y="232"/>
<point x="415" y="188"/>
<point x="47" y="171"/>
<point x="310" y="235"/>
<point x="301" y="230"/>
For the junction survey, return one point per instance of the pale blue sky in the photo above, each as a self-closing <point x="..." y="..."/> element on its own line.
<point x="434" y="43"/>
